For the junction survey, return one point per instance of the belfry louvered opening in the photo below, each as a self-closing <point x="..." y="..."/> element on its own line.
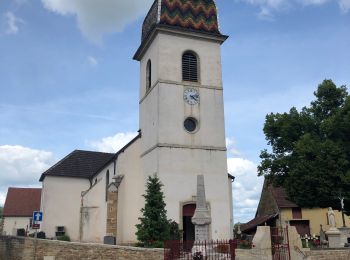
<point x="148" y="75"/>
<point x="189" y="67"/>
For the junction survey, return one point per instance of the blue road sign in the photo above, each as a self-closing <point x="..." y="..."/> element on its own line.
<point x="37" y="216"/>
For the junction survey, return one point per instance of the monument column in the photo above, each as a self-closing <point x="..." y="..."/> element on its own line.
<point x="201" y="218"/>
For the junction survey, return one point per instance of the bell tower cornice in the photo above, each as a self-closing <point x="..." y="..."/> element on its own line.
<point x="187" y="17"/>
<point x="160" y="28"/>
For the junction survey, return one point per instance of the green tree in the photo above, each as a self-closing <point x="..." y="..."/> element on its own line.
<point x="154" y="228"/>
<point x="310" y="149"/>
<point x="1" y="211"/>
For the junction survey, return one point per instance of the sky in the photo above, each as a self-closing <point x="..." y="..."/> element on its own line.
<point x="68" y="81"/>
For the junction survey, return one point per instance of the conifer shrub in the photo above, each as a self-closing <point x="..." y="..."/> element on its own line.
<point x="154" y="228"/>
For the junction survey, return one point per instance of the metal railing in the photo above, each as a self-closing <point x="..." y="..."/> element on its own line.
<point x="200" y="250"/>
<point x="280" y="243"/>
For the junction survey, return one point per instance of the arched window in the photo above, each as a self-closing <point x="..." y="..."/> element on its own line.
<point x="189" y="67"/>
<point x="107" y="184"/>
<point x="148" y="75"/>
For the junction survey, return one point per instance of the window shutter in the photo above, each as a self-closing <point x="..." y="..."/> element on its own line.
<point x="189" y="67"/>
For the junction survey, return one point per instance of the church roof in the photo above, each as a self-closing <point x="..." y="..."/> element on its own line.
<point x="84" y="164"/>
<point x="195" y="15"/>
<point x="79" y="164"/>
<point x="21" y="202"/>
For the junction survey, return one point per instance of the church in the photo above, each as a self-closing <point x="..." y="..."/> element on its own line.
<point x="91" y="195"/>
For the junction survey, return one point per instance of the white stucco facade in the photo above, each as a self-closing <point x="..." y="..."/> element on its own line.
<point x="85" y="214"/>
<point x="130" y="200"/>
<point x="94" y="207"/>
<point x="11" y="224"/>
<point x="167" y="149"/>
<point x="60" y="204"/>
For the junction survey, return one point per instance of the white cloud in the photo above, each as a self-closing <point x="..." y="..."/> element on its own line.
<point x="231" y="147"/>
<point x="269" y="7"/>
<point x="96" y="18"/>
<point x="344" y="5"/>
<point x="314" y="2"/>
<point x="92" y="61"/>
<point x="265" y="14"/>
<point x="12" y="23"/>
<point x="246" y="188"/>
<point x="21" y="167"/>
<point x="112" y="144"/>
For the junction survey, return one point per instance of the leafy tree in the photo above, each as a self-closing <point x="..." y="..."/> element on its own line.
<point x="1" y="212"/>
<point x="310" y="149"/>
<point x="154" y="228"/>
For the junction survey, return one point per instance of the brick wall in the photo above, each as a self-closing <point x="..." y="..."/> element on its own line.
<point x="17" y="248"/>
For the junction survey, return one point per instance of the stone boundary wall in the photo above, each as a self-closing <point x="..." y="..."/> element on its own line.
<point x="246" y="254"/>
<point x="20" y="248"/>
<point x="330" y="254"/>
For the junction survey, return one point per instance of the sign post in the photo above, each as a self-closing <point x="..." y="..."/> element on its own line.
<point x="37" y="217"/>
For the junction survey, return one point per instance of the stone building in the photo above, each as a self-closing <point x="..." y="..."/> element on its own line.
<point x="91" y="195"/>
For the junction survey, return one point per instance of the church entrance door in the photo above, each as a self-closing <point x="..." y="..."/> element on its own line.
<point x="188" y="227"/>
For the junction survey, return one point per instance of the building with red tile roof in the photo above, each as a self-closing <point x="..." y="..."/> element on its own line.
<point x="277" y="209"/>
<point x="19" y="206"/>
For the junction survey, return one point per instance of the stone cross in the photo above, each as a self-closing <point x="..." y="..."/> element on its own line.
<point x="201" y="218"/>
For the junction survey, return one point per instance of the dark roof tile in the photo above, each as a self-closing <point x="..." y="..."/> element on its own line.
<point x="84" y="164"/>
<point x="256" y="222"/>
<point x="79" y="164"/>
<point x="281" y="198"/>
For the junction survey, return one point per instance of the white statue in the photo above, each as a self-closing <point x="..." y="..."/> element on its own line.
<point x="331" y="217"/>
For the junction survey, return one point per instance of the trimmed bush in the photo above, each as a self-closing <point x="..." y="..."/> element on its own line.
<point x="64" y="238"/>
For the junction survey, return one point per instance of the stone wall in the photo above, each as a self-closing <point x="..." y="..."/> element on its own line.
<point x="244" y="254"/>
<point x="18" y="248"/>
<point x="253" y="254"/>
<point x="327" y="254"/>
<point x="112" y="213"/>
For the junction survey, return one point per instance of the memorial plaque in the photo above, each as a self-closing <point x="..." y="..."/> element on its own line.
<point x="202" y="232"/>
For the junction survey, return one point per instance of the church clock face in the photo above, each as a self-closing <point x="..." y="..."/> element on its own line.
<point x="191" y="96"/>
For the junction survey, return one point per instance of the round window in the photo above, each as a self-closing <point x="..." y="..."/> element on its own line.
<point x="190" y="124"/>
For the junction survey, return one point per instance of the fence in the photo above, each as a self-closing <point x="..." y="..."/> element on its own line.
<point x="198" y="250"/>
<point x="280" y="243"/>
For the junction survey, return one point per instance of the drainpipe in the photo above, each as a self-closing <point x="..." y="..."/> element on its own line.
<point x="81" y="217"/>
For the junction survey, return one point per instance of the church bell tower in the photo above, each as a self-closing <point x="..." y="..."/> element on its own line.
<point x="182" y="110"/>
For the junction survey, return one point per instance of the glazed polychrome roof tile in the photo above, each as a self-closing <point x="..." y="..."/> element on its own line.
<point x="198" y="15"/>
